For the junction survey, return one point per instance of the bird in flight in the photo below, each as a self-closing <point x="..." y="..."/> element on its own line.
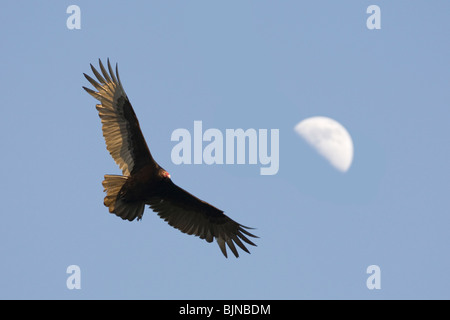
<point x="145" y="182"/>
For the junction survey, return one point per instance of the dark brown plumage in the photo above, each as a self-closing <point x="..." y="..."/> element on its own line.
<point x="144" y="182"/>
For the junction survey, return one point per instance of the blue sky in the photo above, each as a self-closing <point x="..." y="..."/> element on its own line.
<point x="252" y="64"/>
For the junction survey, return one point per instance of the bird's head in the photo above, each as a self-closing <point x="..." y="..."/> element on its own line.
<point x="163" y="173"/>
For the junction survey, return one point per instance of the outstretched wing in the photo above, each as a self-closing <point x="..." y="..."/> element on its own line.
<point x="123" y="136"/>
<point x="191" y="215"/>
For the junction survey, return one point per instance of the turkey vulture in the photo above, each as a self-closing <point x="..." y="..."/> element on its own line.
<point x="144" y="181"/>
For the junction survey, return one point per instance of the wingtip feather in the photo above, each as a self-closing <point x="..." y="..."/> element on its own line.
<point x="222" y="247"/>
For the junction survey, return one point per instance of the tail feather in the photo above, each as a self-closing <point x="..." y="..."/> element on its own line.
<point x="124" y="209"/>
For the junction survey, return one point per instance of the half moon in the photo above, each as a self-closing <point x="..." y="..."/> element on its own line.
<point x="330" y="139"/>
